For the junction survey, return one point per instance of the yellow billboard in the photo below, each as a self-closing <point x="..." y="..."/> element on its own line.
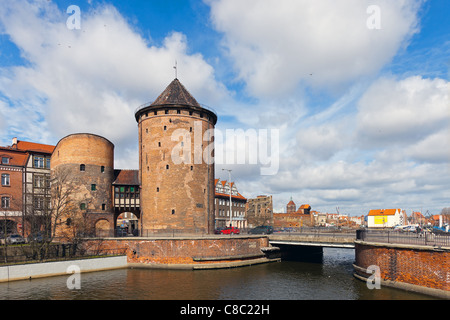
<point x="380" y="219"/>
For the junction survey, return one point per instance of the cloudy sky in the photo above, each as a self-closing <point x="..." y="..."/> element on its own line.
<point x="357" y="90"/>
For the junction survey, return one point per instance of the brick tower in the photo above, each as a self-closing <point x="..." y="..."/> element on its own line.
<point x="176" y="171"/>
<point x="290" y="207"/>
<point x="84" y="164"/>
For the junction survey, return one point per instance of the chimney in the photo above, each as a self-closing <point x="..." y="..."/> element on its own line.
<point x="14" y="142"/>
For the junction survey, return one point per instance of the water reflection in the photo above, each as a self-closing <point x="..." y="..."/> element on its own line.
<point x="331" y="278"/>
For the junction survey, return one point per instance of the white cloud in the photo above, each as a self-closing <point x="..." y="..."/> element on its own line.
<point x="92" y="79"/>
<point x="402" y="112"/>
<point x="277" y="45"/>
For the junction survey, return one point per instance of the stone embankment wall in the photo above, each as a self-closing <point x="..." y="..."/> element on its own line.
<point x="188" y="250"/>
<point x="416" y="268"/>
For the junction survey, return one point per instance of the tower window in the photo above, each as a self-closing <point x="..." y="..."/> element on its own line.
<point x="165" y="128"/>
<point x="103" y="206"/>
<point x="102" y="169"/>
<point x="178" y="111"/>
<point x="192" y="168"/>
<point x="82" y="167"/>
<point x="157" y="189"/>
<point x="167" y="166"/>
<point x="159" y="144"/>
<point x="93" y="187"/>
<point x="173" y="211"/>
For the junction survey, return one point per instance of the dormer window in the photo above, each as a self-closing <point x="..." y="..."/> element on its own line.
<point x="5" y="160"/>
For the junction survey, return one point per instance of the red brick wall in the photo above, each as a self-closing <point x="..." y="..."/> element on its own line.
<point x="183" y="250"/>
<point x="426" y="268"/>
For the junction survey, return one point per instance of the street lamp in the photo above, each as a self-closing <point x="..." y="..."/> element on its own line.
<point x="229" y="183"/>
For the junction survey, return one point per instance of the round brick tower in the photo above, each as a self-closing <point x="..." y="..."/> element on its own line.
<point x="85" y="165"/>
<point x="176" y="165"/>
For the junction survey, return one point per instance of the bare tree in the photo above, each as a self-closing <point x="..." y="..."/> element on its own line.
<point x="49" y="215"/>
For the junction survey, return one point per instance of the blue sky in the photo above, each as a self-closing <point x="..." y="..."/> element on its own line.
<point x="363" y="114"/>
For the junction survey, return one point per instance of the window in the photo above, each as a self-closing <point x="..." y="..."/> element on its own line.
<point x="38" y="203"/>
<point x="103" y="206"/>
<point x="5" y="202"/>
<point x="5" y="160"/>
<point x="47" y="162"/>
<point x="173" y="211"/>
<point x="157" y="189"/>
<point x="178" y="111"/>
<point x="82" y="167"/>
<point x="39" y="181"/>
<point x="83" y="206"/>
<point x="38" y="162"/>
<point x="167" y="166"/>
<point x="102" y="169"/>
<point x="93" y="187"/>
<point x="5" y="179"/>
<point x="166" y="111"/>
<point x="165" y="128"/>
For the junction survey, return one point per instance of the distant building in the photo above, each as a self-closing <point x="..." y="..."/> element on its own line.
<point x="25" y="186"/>
<point x="260" y="211"/>
<point x="290" y="207"/>
<point x="385" y="218"/>
<point x="222" y="205"/>
<point x="293" y="218"/>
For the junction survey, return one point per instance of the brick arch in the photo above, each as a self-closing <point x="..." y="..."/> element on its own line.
<point x="102" y="227"/>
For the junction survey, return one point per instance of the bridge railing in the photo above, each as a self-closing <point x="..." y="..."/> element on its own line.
<point x="408" y="238"/>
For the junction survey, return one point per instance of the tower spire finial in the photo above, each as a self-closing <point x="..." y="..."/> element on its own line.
<point x="176" y="70"/>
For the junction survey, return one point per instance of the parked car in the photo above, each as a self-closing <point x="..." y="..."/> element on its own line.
<point x="15" y="239"/>
<point x="38" y="237"/>
<point x="230" y="230"/>
<point x="218" y="231"/>
<point x="261" y="230"/>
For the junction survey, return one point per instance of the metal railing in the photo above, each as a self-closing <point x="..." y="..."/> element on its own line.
<point x="408" y="238"/>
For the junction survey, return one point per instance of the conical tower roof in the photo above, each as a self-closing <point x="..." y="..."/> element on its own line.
<point x="175" y="94"/>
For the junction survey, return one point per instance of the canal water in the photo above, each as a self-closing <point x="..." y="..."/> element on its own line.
<point x="327" y="278"/>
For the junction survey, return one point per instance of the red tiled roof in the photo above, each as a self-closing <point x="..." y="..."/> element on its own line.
<point x="126" y="177"/>
<point x="16" y="157"/>
<point x="34" y="147"/>
<point x="383" y="212"/>
<point x="239" y="196"/>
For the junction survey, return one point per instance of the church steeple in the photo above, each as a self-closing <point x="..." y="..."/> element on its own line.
<point x="290" y="207"/>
